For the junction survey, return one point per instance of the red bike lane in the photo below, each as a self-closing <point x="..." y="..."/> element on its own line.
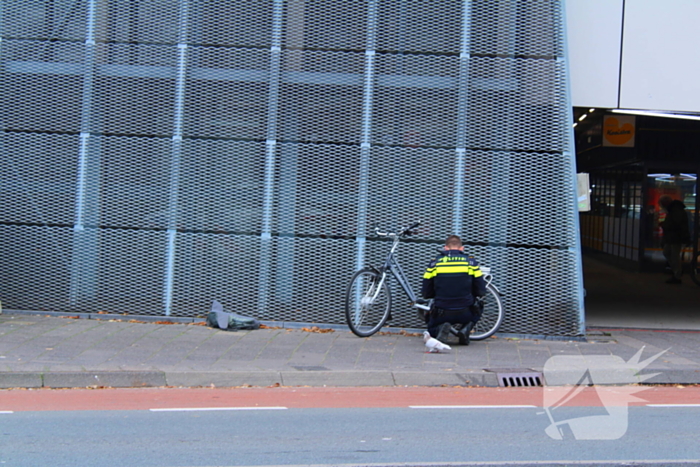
<point x="16" y="400"/>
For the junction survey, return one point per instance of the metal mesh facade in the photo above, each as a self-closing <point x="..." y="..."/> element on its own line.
<point x="158" y="154"/>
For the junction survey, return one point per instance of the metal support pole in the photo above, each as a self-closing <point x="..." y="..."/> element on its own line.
<point x="85" y="115"/>
<point x="366" y="137"/>
<point x="570" y="155"/>
<point x="462" y="111"/>
<point x="82" y="241"/>
<point x="270" y="156"/>
<point x="176" y="153"/>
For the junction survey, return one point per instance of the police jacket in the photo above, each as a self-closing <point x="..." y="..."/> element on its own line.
<point x="453" y="279"/>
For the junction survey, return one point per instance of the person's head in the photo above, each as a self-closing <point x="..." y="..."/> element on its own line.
<point x="453" y="242"/>
<point x="665" y="200"/>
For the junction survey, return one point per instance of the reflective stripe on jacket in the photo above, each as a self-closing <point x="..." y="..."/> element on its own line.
<point x="453" y="279"/>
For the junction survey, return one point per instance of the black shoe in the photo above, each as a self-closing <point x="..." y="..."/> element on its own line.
<point x="463" y="334"/>
<point x="674" y="280"/>
<point x="444" y="333"/>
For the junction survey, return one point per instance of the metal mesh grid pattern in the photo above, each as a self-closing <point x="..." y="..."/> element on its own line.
<point x="534" y="29"/>
<point x="36" y="267"/>
<point x="121" y="191"/>
<point x="39" y="75"/>
<point x="232" y="24"/>
<point x="38" y="172"/>
<point x="159" y="154"/>
<point x="318" y="87"/>
<point x="117" y="271"/>
<point x="216" y="266"/>
<point x="416" y="100"/>
<point x="220" y="187"/>
<point x="38" y="19"/>
<point x="227" y="93"/>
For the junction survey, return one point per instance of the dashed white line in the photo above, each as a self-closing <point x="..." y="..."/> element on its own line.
<point x="204" y="409"/>
<point x="673" y="405"/>
<point x="6" y="411"/>
<point x="472" y="406"/>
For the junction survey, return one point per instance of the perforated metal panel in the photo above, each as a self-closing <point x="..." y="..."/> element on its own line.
<point x="156" y="155"/>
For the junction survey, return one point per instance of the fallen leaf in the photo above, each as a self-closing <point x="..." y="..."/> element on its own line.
<point x="317" y="330"/>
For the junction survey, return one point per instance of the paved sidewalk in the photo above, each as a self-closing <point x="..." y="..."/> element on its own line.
<point x="50" y="351"/>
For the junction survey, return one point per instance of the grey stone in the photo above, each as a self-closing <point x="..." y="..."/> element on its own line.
<point x="20" y="380"/>
<point x="223" y="378"/>
<point x="337" y="378"/>
<point x="114" y="379"/>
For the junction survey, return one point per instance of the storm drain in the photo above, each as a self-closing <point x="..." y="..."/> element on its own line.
<point x="518" y="377"/>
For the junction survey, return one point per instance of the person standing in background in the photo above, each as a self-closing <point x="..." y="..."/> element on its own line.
<point x="676" y="233"/>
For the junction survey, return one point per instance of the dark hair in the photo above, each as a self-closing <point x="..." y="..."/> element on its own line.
<point x="453" y="241"/>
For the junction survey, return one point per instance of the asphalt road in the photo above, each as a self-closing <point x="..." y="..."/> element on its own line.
<point x="309" y="426"/>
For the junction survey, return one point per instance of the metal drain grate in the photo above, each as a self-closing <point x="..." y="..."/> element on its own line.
<point x="518" y="377"/>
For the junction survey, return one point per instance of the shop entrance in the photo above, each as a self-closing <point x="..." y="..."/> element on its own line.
<point x="623" y="263"/>
<point x="624" y="268"/>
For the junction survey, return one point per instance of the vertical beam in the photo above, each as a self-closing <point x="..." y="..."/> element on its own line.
<point x="175" y="156"/>
<point x="85" y="116"/>
<point x="270" y="155"/>
<point x="570" y="155"/>
<point x="366" y="136"/>
<point x="462" y="111"/>
<point x="81" y="241"/>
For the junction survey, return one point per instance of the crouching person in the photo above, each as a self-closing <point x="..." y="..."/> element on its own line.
<point x="456" y="284"/>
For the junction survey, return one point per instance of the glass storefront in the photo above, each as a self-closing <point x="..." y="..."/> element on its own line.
<point x="625" y="213"/>
<point x="613" y="224"/>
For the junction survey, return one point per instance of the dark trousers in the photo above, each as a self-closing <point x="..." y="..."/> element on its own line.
<point x="439" y="316"/>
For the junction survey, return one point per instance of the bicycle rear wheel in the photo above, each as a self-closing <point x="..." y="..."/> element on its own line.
<point x="367" y="302"/>
<point x="491" y="317"/>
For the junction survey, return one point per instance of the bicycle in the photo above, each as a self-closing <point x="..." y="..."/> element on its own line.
<point x="368" y="298"/>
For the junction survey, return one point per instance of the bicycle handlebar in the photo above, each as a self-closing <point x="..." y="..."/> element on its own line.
<point x="403" y="233"/>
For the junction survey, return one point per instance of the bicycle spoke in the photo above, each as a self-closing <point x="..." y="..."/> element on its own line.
<point x="367" y="303"/>
<point x="491" y="317"/>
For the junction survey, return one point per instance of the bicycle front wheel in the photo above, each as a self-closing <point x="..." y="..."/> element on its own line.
<point x="367" y="302"/>
<point x="491" y="317"/>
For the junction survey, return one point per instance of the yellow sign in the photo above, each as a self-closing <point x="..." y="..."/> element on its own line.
<point x="618" y="131"/>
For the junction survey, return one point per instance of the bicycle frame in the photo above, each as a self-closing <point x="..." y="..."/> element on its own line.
<point x="391" y="264"/>
<point x="361" y="296"/>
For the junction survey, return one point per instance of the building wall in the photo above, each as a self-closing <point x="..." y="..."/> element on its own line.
<point x="158" y="154"/>
<point x="634" y="54"/>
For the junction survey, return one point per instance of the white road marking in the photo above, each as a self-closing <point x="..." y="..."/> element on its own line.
<point x="673" y="405"/>
<point x="203" y="409"/>
<point x="6" y="411"/>
<point x="472" y="406"/>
